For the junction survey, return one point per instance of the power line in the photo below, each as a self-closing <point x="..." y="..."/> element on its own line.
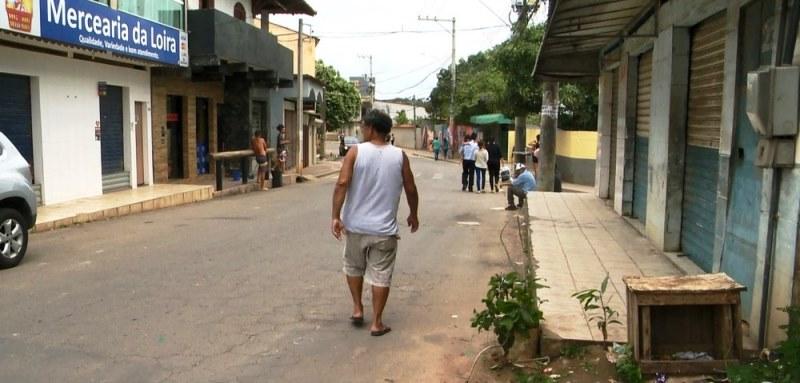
<point x="494" y="13"/>
<point x="413" y="86"/>
<point x="419" y="31"/>
<point x="446" y="59"/>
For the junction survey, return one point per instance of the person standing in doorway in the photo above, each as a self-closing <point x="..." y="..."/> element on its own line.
<point x="281" y="145"/>
<point x="481" y="164"/>
<point x="445" y="146"/>
<point x="436" y="145"/>
<point x="494" y="163"/>
<point x="259" y="147"/>
<point x="373" y="176"/>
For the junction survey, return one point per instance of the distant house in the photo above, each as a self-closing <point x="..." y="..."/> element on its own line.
<point x="393" y="109"/>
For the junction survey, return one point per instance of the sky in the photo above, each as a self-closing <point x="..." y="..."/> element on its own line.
<point x="406" y="53"/>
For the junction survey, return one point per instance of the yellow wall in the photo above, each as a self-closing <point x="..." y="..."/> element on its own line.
<point x="572" y="144"/>
<point x="288" y="38"/>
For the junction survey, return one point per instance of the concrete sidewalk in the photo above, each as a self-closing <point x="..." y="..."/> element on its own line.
<point x="118" y="204"/>
<point x="577" y="240"/>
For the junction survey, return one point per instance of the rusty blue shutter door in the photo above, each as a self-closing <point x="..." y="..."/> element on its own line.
<point x="643" y="90"/>
<point x="702" y="140"/>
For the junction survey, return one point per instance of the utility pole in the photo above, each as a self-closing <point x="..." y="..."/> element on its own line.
<point x="370" y="80"/>
<point x="414" y="108"/>
<point x="300" y="98"/>
<point x="549" y="115"/>
<point x="452" y="120"/>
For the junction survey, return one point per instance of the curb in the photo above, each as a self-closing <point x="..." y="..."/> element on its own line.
<point x="179" y="199"/>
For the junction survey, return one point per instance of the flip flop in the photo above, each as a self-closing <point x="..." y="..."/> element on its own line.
<point x="385" y="331"/>
<point x="357" y="321"/>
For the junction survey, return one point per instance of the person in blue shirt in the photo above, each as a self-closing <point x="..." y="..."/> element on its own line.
<point x="522" y="183"/>
<point x="468" y="150"/>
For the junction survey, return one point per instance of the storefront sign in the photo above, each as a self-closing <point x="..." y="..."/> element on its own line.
<point x="89" y="24"/>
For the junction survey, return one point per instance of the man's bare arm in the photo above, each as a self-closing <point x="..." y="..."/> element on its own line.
<point x="412" y="195"/>
<point x="340" y="191"/>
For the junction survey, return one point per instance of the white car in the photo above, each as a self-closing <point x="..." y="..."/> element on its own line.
<point x="17" y="204"/>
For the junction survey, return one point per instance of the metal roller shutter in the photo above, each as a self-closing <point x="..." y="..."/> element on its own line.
<point x="15" y="113"/>
<point x="702" y="139"/>
<point x="111" y="139"/>
<point x="643" y="87"/>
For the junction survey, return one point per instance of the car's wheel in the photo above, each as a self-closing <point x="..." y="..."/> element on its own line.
<point x="13" y="238"/>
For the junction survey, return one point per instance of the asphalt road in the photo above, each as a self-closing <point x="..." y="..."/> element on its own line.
<point x="249" y="289"/>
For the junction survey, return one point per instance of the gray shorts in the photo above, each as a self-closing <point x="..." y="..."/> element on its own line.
<point x="371" y="257"/>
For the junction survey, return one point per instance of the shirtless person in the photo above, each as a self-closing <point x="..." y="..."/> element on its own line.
<point x="259" y="146"/>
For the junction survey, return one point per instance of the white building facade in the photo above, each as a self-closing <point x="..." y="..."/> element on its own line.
<point x="76" y="98"/>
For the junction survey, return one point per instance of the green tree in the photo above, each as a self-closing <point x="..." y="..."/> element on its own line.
<point x="578" y="109"/>
<point x="479" y="88"/>
<point x="516" y="58"/>
<point x="401" y="118"/>
<point x="342" y="100"/>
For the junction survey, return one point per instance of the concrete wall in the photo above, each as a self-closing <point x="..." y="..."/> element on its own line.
<point x="667" y="144"/>
<point x="65" y="109"/>
<point x="226" y="6"/>
<point x="288" y="38"/>
<point x="576" y="152"/>
<point x="405" y="136"/>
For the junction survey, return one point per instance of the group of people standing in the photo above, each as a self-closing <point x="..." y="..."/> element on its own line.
<point x="440" y="146"/>
<point x="478" y="158"/>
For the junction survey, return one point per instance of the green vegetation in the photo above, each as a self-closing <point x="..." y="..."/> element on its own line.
<point x="784" y="368"/>
<point x="499" y="80"/>
<point x="342" y="100"/>
<point x="401" y="118"/>
<point x="512" y="308"/>
<point x="628" y="370"/>
<point x="593" y="300"/>
<point x="534" y="377"/>
<point x="573" y="351"/>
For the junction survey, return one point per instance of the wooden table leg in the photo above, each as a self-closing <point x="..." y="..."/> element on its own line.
<point x="647" y="353"/>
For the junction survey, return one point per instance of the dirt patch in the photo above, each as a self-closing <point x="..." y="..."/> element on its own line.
<point x="584" y="365"/>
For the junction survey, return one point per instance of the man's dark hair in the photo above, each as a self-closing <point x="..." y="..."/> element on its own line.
<point x="279" y="127"/>
<point x="257" y="133"/>
<point x="378" y="121"/>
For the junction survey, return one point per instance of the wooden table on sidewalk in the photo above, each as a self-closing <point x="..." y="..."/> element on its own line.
<point x="669" y="315"/>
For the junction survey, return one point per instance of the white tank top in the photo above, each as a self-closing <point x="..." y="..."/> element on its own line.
<point x="374" y="194"/>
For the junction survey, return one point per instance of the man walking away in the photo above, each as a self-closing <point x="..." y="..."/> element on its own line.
<point x="467" y="152"/>
<point x="436" y="146"/>
<point x="445" y="146"/>
<point x="495" y="159"/>
<point x="259" y="146"/>
<point x="373" y="176"/>
<point x="522" y="184"/>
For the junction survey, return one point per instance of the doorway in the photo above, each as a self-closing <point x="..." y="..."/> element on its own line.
<point x="741" y="237"/>
<point x="140" y="140"/>
<point x="112" y="138"/>
<point x="202" y="117"/>
<point x="175" y="137"/>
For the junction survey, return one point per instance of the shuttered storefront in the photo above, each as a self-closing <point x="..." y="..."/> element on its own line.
<point x="702" y="140"/>
<point x="643" y="90"/>
<point x="111" y="140"/>
<point x="15" y="113"/>
<point x="612" y="166"/>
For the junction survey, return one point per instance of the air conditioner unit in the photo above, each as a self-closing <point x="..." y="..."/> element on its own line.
<point x="773" y="96"/>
